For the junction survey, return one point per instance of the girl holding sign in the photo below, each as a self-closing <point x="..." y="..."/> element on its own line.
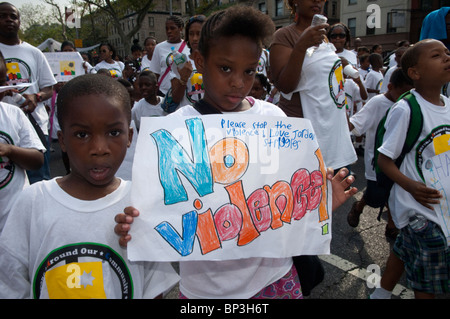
<point x="229" y="50"/>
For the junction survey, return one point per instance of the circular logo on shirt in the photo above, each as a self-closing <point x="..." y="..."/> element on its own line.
<point x="80" y="271"/>
<point x="195" y="88"/>
<point x="336" y="84"/>
<point x="439" y="142"/>
<point x="7" y="168"/>
<point x="17" y="72"/>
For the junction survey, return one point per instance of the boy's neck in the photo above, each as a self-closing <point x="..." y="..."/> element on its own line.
<point x="152" y="99"/>
<point x="430" y="94"/>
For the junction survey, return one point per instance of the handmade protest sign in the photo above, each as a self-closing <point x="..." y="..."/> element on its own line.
<point x="436" y="172"/>
<point x="65" y="65"/>
<point x="221" y="187"/>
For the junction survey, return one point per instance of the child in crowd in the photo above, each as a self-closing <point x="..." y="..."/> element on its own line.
<point x="229" y="50"/>
<point x="398" y="56"/>
<point x="366" y="122"/>
<point x="423" y="249"/>
<point x="187" y="82"/>
<point x="20" y="149"/>
<point x="364" y="66"/>
<point x="150" y="104"/>
<point x="374" y="79"/>
<point x="261" y="87"/>
<point x="55" y="243"/>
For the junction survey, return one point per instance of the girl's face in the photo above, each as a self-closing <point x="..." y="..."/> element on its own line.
<point x="229" y="72"/>
<point x="105" y="53"/>
<point x="150" y="45"/>
<point x="194" y="35"/>
<point x="337" y="37"/>
<point x="173" y="32"/>
<point x="95" y="134"/>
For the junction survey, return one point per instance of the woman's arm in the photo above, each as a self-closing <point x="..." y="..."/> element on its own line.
<point x="286" y="63"/>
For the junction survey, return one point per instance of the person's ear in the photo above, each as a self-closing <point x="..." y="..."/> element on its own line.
<point x="130" y="136"/>
<point x="61" y="141"/>
<point x="199" y="62"/>
<point x="413" y="73"/>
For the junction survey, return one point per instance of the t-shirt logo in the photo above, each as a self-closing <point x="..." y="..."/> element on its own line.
<point x="7" y="168"/>
<point x="195" y="88"/>
<point x="82" y="271"/>
<point x="336" y="84"/>
<point x="17" y="72"/>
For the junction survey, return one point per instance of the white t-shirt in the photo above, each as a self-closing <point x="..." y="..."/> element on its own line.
<point x="354" y="100"/>
<point x="145" y="63"/>
<point x="433" y="140"/>
<point x="387" y="79"/>
<point x="27" y="64"/>
<point x="194" y="87"/>
<point x="374" y="81"/>
<point x="114" y="68"/>
<point x="231" y="279"/>
<point x="15" y="129"/>
<point x="162" y="58"/>
<point x="366" y="122"/>
<point x="143" y="108"/>
<point x="56" y="246"/>
<point x="350" y="56"/>
<point x="323" y="99"/>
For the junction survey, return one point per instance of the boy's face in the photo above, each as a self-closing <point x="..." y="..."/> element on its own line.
<point x="258" y="91"/>
<point x="95" y="134"/>
<point x="147" y="87"/>
<point x="433" y="65"/>
<point x="229" y="72"/>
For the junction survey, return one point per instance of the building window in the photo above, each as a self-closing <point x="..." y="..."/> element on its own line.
<point x="351" y="23"/>
<point x="390" y="28"/>
<point x="151" y="22"/>
<point x="352" y="2"/>
<point x="262" y="7"/>
<point x="279" y="8"/>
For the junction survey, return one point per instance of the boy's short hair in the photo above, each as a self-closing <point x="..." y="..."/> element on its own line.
<point x="399" y="79"/>
<point x="236" y="20"/>
<point x="412" y="54"/>
<point x="149" y="74"/>
<point x="92" y="84"/>
<point x="376" y="59"/>
<point x="363" y="58"/>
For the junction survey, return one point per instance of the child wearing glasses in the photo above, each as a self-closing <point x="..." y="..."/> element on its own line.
<point x="339" y="35"/>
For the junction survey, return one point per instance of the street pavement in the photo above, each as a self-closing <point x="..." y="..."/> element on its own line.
<point x="358" y="255"/>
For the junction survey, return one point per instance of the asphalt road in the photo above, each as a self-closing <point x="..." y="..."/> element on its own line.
<point x="357" y="254"/>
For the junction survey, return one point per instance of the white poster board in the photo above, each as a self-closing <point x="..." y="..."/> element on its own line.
<point x="65" y="65"/>
<point x="436" y="172"/>
<point x="221" y="187"/>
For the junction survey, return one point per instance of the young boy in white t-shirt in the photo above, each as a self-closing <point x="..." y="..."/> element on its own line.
<point x="150" y="104"/>
<point x="57" y="242"/>
<point x="424" y="249"/>
<point x="366" y="122"/>
<point x="374" y="79"/>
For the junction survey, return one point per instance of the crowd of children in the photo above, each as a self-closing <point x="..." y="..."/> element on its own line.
<point x="72" y="224"/>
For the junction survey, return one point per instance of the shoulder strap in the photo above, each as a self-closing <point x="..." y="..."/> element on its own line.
<point x="415" y="122"/>
<point x="412" y="135"/>
<point x="180" y="49"/>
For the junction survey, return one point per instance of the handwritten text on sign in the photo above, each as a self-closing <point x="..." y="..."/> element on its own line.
<point x="436" y="172"/>
<point x="227" y="187"/>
